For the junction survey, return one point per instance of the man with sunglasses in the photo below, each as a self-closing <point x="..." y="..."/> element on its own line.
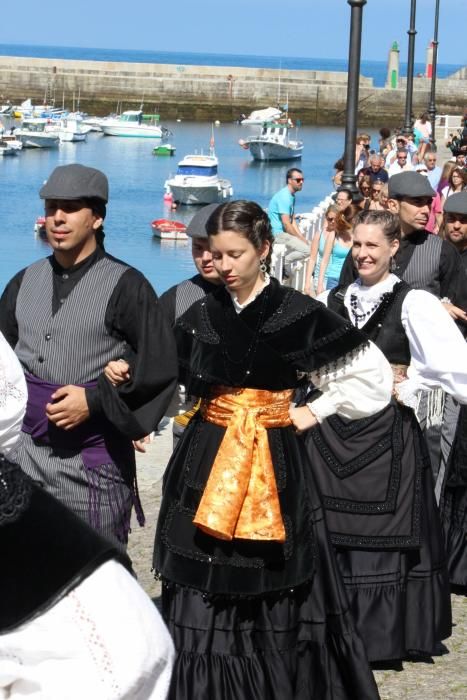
<point x="281" y="212"/>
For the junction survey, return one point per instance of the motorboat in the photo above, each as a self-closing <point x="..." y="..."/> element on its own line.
<point x="273" y="142"/>
<point x="11" y="141"/>
<point x="71" y="129"/>
<point x="166" y="229"/>
<point x="133" y="123"/>
<point x="7" y="150"/>
<point x="197" y="181"/>
<point x="260" y="116"/>
<point x="39" y="227"/>
<point x="33" y="134"/>
<point x="165" y="149"/>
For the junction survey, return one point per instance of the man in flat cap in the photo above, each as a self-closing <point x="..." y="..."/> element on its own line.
<point x="67" y="316"/>
<point x="178" y="299"/>
<point x="455" y="223"/>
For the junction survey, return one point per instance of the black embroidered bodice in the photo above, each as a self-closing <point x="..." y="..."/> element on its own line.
<point x="384" y="327"/>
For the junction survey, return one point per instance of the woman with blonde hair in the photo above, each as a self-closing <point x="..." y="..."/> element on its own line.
<point x="317" y="249"/>
<point x="335" y="251"/>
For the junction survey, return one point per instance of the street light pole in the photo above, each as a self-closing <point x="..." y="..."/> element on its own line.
<point x="410" y="66"/>
<point x="432" y="105"/>
<point x="349" y="179"/>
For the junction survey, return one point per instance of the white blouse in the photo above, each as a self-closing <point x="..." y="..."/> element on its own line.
<point x="105" y="640"/>
<point x="437" y="347"/>
<point x="13" y="395"/>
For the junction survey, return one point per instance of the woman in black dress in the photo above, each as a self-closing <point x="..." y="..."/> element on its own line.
<point x="250" y="587"/>
<point x="374" y="474"/>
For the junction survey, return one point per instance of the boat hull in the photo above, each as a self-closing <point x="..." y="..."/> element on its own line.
<point x="274" y="151"/>
<point x="191" y="194"/>
<point x="142" y="132"/>
<point x="37" y="140"/>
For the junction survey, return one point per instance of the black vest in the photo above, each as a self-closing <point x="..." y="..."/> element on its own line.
<point x="384" y="327"/>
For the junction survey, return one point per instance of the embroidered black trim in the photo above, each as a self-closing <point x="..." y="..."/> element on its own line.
<point x="280" y="318"/>
<point x="342" y="471"/>
<point x="368" y="507"/>
<point x="206" y="332"/>
<point x="346" y="429"/>
<point x="15" y="492"/>
<point x="193" y="446"/>
<point x="235" y="559"/>
<point x="277" y="449"/>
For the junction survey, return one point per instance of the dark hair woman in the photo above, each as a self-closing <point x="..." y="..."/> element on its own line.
<point x="375" y="474"/>
<point x="250" y="591"/>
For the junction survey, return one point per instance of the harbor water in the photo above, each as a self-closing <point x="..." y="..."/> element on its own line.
<point x="137" y="179"/>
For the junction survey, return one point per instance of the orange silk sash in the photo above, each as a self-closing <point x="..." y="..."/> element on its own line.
<point x="240" y="499"/>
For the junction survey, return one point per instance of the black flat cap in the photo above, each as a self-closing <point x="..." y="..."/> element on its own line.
<point x="456" y="203"/>
<point x="197" y="226"/>
<point x="76" y="181"/>
<point x="409" y="184"/>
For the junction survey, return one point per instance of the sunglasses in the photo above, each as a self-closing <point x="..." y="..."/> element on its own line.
<point x="298" y="179"/>
<point x="330" y="220"/>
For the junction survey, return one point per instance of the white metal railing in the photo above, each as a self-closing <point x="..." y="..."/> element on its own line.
<point x="448" y="122"/>
<point x="310" y="224"/>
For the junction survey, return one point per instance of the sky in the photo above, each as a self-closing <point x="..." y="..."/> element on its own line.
<point x="305" y="28"/>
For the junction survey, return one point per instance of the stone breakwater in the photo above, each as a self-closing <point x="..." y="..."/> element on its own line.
<point x="210" y="92"/>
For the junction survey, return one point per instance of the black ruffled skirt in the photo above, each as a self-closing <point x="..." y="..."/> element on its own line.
<point x="453" y="506"/>
<point x="292" y="643"/>
<point x="393" y="562"/>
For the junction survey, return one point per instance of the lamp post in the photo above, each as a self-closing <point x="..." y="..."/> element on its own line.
<point x="410" y="64"/>
<point x="432" y="105"/>
<point x="349" y="179"/>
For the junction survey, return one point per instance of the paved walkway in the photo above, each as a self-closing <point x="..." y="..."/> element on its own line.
<point x="443" y="679"/>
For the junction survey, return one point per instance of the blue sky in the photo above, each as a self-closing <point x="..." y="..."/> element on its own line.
<point x="309" y="28"/>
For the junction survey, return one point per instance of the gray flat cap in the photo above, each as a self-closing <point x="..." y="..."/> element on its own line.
<point x="456" y="203"/>
<point x="197" y="226"/>
<point x="409" y="184"/>
<point x="76" y="181"/>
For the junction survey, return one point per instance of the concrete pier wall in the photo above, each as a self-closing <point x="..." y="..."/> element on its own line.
<point x="209" y="92"/>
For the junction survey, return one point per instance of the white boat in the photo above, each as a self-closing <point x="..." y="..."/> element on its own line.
<point x="71" y="129"/>
<point x="260" y="116"/>
<point x="11" y="141"/>
<point x="273" y="143"/>
<point x="132" y="123"/>
<point x="197" y="181"/>
<point x="33" y="134"/>
<point x="7" y="150"/>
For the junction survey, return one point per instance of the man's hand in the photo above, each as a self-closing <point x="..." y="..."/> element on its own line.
<point x="70" y="407"/>
<point x="302" y="418"/>
<point x="455" y="312"/>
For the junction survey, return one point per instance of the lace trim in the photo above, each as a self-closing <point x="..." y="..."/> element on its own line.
<point x="95" y="644"/>
<point x="15" y="492"/>
<point x="281" y="318"/>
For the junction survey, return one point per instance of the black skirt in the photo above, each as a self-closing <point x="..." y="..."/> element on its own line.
<point x="283" y="643"/>
<point x="453" y="506"/>
<point x="394" y="568"/>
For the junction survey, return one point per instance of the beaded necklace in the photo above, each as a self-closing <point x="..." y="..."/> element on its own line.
<point x="365" y="314"/>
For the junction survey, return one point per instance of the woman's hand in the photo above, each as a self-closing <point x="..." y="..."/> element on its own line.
<point x="302" y="418"/>
<point x="117" y="372"/>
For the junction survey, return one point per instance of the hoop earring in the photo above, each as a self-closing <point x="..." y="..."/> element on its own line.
<point x="262" y="266"/>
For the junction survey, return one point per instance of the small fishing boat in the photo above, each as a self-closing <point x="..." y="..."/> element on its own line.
<point x="165" y="149"/>
<point x="33" y="134"/>
<point x="165" y="229"/>
<point x="7" y="150"/>
<point x="39" y="227"/>
<point x="134" y="123"/>
<point x="273" y="142"/>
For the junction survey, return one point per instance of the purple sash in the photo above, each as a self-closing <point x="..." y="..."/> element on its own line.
<point x="97" y="441"/>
